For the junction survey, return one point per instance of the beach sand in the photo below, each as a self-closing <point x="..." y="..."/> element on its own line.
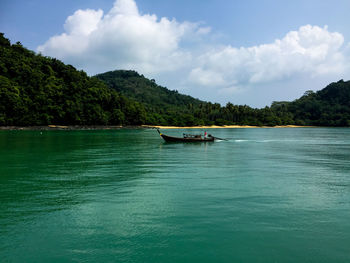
<point x="224" y="126"/>
<point x="98" y="127"/>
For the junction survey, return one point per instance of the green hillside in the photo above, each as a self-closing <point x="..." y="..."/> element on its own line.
<point x="164" y="106"/>
<point x="134" y="85"/>
<point x="36" y="90"/>
<point x="327" y="107"/>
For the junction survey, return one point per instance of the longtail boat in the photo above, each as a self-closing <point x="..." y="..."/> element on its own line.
<point x="187" y="138"/>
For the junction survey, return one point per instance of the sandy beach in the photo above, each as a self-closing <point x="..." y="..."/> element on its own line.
<point x="65" y="127"/>
<point x="116" y="127"/>
<point x="224" y="126"/>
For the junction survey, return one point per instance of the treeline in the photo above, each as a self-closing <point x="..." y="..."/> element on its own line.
<point x="163" y="106"/>
<point x="37" y="90"/>
<point x="166" y="107"/>
<point x="134" y="85"/>
<point x="327" y="107"/>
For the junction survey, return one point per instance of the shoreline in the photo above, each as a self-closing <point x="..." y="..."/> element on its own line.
<point x="226" y="126"/>
<point x="66" y="127"/>
<point x="118" y="127"/>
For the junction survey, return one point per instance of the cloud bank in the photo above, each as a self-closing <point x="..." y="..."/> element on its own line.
<point x="310" y="50"/>
<point x="124" y="38"/>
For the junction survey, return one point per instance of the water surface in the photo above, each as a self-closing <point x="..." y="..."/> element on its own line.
<point x="265" y="195"/>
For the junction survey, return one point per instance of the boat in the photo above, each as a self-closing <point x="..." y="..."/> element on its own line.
<point x="187" y="138"/>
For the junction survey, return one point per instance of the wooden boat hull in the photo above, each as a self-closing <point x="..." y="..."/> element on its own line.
<point x="178" y="139"/>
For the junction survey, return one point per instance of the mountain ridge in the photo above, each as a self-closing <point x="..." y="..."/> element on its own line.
<point x="38" y="90"/>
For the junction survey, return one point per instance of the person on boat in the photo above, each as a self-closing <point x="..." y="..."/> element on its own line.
<point x="205" y="134"/>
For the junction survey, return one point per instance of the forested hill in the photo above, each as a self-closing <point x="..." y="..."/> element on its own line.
<point x="134" y="85"/>
<point x="327" y="107"/>
<point x="37" y="90"/>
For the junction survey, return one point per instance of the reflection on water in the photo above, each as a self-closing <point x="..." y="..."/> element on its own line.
<point x="264" y="195"/>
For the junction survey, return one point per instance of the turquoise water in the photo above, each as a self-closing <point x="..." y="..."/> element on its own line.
<point x="265" y="195"/>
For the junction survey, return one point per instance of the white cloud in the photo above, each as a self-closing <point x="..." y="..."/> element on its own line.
<point x="179" y="55"/>
<point x="123" y="38"/>
<point x="91" y="19"/>
<point x="310" y="50"/>
<point x="125" y="7"/>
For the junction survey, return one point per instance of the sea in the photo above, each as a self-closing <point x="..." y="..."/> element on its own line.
<point x="260" y="195"/>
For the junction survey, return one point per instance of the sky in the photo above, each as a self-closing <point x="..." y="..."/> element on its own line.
<point x="249" y="52"/>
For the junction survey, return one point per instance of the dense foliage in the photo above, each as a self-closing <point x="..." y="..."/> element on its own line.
<point x="37" y="90"/>
<point x="166" y="107"/>
<point x="134" y="85"/>
<point x="327" y="107"/>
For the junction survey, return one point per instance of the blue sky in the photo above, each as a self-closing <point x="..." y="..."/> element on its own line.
<point x="246" y="52"/>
